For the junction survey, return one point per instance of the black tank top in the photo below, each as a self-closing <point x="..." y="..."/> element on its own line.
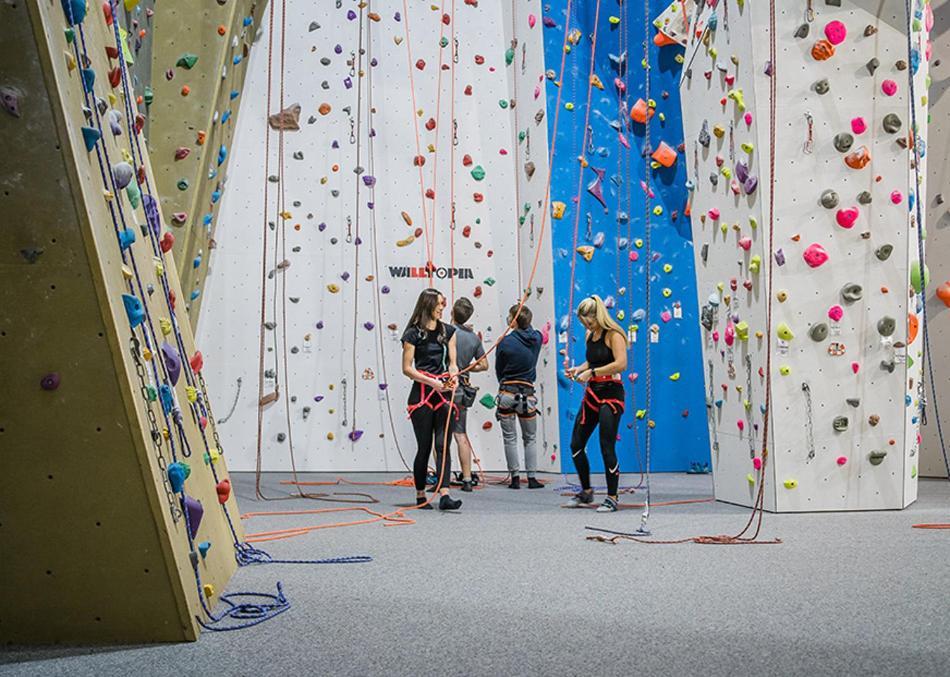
<point x="598" y="352"/>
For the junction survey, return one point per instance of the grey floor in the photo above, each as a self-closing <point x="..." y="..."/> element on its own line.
<point x="511" y="586"/>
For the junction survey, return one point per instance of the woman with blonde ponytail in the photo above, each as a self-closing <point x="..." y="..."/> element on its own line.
<point x="603" y="399"/>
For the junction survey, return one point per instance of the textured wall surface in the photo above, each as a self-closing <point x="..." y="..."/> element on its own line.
<point x="350" y="223"/>
<point x="845" y="366"/>
<point x="615" y="229"/>
<point x="96" y="545"/>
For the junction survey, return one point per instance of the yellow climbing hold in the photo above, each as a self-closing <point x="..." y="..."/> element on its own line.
<point x="790" y="483"/>
<point x="586" y="251"/>
<point x="667" y="292"/>
<point x="127" y="273"/>
<point x="750" y="479"/>
<point x="667" y="267"/>
<point x="406" y="241"/>
<point x="614" y="20"/>
<point x="621" y="315"/>
<point x="785" y="370"/>
<point x="747" y="147"/>
<point x="595" y="82"/>
<point x="333" y="288"/>
<point x="159" y="266"/>
<point x="569" y="106"/>
<point x="742" y="330"/>
<point x="638" y="243"/>
<point x="166" y="325"/>
<point x="557" y="210"/>
<point x="330" y="436"/>
<point x="658" y="210"/>
<point x="191" y="393"/>
<point x="146" y="354"/>
<point x="675" y="376"/>
<point x="784" y="332"/>
<point x="208" y="588"/>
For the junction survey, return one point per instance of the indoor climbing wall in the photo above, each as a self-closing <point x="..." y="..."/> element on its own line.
<point x="109" y="446"/>
<point x="628" y="187"/>
<point x="932" y="463"/>
<point x="842" y="259"/>
<point x="395" y="138"/>
<point x="198" y="69"/>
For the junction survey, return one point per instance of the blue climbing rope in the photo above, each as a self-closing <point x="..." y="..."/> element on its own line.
<point x="246" y="614"/>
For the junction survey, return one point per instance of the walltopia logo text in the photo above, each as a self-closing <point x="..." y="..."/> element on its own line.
<point x="440" y="273"/>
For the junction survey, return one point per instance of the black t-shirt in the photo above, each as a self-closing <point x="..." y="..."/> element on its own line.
<point x="431" y="355"/>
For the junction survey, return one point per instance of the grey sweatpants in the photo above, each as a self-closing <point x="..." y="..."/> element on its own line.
<point x="509" y="419"/>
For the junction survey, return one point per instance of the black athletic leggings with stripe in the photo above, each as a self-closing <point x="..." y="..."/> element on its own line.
<point x="429" y="427"/>
<point x="607" y="417"/>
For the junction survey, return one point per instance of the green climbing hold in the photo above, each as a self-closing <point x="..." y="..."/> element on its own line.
<point x="70" y="35"/>
<point x="187" y="61"/>
<point x="478" y="173"/>
<point x="915" y="276"/>
<point x="444" y="42"/>
<point x="148" y="96"/>
<point x="503" y="103"/>
<point x="151" y="393"/>
<point x="487" y="401"/>
<point x="182" y="184"/>
<point x="134" y="194"/>
<point x="522" y="136"/>
<point x="489" y="281"/>
<point x="509" y="56"/>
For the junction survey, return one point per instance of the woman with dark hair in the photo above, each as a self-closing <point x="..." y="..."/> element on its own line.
<point x="603" y="399"/>
<point x="428" y="360"/>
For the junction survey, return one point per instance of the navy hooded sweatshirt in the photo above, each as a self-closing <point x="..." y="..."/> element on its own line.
<point x="517" y="356"/>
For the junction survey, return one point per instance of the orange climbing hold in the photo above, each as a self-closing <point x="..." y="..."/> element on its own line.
<point x="665" y="155"/>
<point x="407" y="218"/>
<point x="641" y="111"/>
<point x="913" y="326"/>
<point x="943" y="293"/>
<point x="200" y="138"/>
<point x="859" y="159"/>
<point x="222" y="29"/>
<point x="324" y="109"/>
<point x="823" y="50"/>
<point x="662" y="40"/>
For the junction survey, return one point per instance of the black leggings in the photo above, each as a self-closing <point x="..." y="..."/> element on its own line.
<point x="608" y="418"/>
<point x="429" y="426"/>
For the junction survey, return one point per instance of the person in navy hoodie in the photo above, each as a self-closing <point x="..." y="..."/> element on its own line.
<point x="516" y="359"/>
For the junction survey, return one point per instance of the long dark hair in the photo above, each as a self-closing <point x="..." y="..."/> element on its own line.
<point x="425" y="304"/>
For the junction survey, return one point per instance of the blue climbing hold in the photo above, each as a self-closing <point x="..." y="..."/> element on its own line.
<point x="248" y="20"/>
<point x="237" y="59"/>
<point x="215" y="196"/>
<point x="177" y="474"/>
<point x="222" y="154"/>
<point x="226" y="116"/>
<point x="90" y="137"/>
<point x="167" y="397"/>
<point x="126" y="238"/>
<point x="203" y="548"/>
<point x="195" y="294"/>
<point x="75" y="11"/>
<point x="207" y="219"/>
<point x="134" y="310"/>
<point x="196" y="262"/>
<point x="235" y="94"/>
<point x="88" y="79"/>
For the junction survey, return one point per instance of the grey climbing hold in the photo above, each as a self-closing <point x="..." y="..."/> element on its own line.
<point x="829" y="199"/>
<point x="704" y="135"/>
<point x="31" y="254"/>
<point x="325" y="61"/>
<point x="818" y="332"/>
<point x="892" y="123"/>
<point x="313" y="26"/>
<point x="872" y="65"/>
<point x="325" y="84"/>
<point x="886" y="326"/>
<point x="822" y="86"/>
<point x="853" y="401"/>
<point x="883" y="253"/>
<point x="10" y="100"/>
<point x="298" y="155"/>
<point x="840" y="424"/>
<point x="843" y="142"/>
<point x="864" y="197"/>
<point x="802" y="31"/>
<point x="852" y="292"/>
<point x="529" y="169"/>
<point x="876" y="457"/>
<point x="122" y="172"/>
<point x="888" y="366"/>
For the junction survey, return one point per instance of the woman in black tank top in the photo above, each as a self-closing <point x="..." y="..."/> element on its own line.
<point x="603" y="399"/>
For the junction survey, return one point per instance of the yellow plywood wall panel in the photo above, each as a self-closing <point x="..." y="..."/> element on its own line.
<point x="199" y="57"/>
<point x="95" y="547"/>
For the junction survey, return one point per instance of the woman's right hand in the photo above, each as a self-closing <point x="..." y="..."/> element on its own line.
<point x="571" y="372"/>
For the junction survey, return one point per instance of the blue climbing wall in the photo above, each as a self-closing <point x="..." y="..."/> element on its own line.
<point x="617" y="268"/>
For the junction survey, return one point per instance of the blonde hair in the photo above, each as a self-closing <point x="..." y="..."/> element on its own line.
<point x="594" y="307"/>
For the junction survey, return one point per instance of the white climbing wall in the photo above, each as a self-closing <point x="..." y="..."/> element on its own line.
<point x="349" y="287"/>
<point x="853" y="372"/>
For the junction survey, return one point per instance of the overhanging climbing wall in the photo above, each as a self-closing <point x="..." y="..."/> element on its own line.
<point x="94" y="525"/>
<point x="845" y="362"/>
<point x="607" y="256"/>
<point x="932" y="463"/>
<point x="198" y="69"/>
<point x="360" y="216"/>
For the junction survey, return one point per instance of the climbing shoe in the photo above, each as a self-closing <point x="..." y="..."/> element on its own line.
<point x="449" y="503"/>
<point x="421" y="502"/>
<point x="466" y="485"/>
<point x="474" y="479"/>
<point x="534" y="484"/>
<point x="609" y="505"/>
<point x="582" y="498"/>
<point x="515" y="482"/>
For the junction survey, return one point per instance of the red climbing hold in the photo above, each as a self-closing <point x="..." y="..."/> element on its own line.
<point x="172" y="299"/>
<point x="478" y="197"/>
<point x="467" y="232"/>
<point x="468" y="90"/>
<point x="420" y="64"/>
<point x="479" y="59"/>
<point x="418" y="160"/>
<point x="224" y="490"/>
<point x="115" y="77"/>
<point x="430" y="124"/>
<point x="167" y="242"/>
<point x="466" y="160"/>
<point x="112" y="52"/>
<point x="430" y="193"/>
<point x="107" y="12"/>
<point x="197" y="362"/>
<point x="446" y="19"/>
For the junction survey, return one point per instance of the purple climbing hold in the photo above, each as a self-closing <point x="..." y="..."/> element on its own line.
<point x="351" y="15"/>
<point x="115" y="122"/>
<point x="322" y="227"/>
<point x="348" y="82"/>
<point x="355" y="435"/>
<point x="318" y="398"/>
<point x="374" y="62"/>
<point x="397" y="17"/>
<point x="344" y="276"/>
<point x="596" y="187"/>
<point x="549" y="22"/>
<point x="384" y="290"/>
<point x="369" y="180"/>
<point x="122" y="172"/>
<point x="742" y="171"/>
<point x="151" y="214"/>
<point x="50" y="381"/>
<point x="194" y="511"/>
<point x="358" y="241"/>
<point x="780" y="257"/>
<point x="383" y="386"/>
<point x="319" y="325"/>
<point x="172" y="362"/>
<point x="335" y="145"/>
<point x="10" y="100"/>
<point x="750" y="185"/>
<point x="338" y="49"/>
<point x="368" y="326"/>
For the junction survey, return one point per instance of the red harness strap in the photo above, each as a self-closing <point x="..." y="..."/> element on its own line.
<point x="595" y="403"/>
<point x="426" y="395"/>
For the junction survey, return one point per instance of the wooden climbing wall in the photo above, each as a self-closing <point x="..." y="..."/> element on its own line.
<point x="938" y="245"/>
<point x="198" y="67"/>
<point x="845" y="366"/>
<point x="342" y="279"/>
<point x="95" y="547"/>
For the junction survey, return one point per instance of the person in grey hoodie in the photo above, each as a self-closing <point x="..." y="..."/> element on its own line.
<point x="516" y="360"/>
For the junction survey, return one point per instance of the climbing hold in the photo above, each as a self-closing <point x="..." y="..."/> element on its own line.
<point x="836" y="32"/>
<point x="75" y="11"/>
<point x="203" y="548"/>
<point x="133" y="310"/>
<point x="858" y="125"/>
<point x="892" y="123"/>
<point x="843" y="142"/>
<point x="815" y="255"/>
<point x="478" y="173"/>
<point x="822" y="86"/>
<point x="784" y="332"/>
<point x="915" y="281"/>
<point x="178" y="472"/>
<point x="852" y="292"/>
<point x="287" y="120"/>
<point x="877" y="457"/>
<point x="829" y="199"/>
<point x="841" y="460"/>
<point x="943" y="293"/>
<point x="913" y="325"/>
<point x="840" y="423"/>
<point x="889" y="87"/>
<point x="790" y="483"/>
<point x="641" y="111"/>
<point x="665" y="155"/>
<point x="187" y="61"/>
<point x="884" y="252"/>
<point x="873" y="65"/>
<point x="864" y="197"/>
<point x="847" y="217"/>
<point x="123" y="173"/>
<point x="886" y="326"/>
<point x="50" y="381"/>
<point x="859" y="159"/>
<point x="818" y="332"/>
<point x="822" y="50"/>
<point x="193" y="513"/>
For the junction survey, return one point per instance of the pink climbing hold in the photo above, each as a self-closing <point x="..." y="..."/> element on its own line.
<point x="666" y="316"/>
<point x="815" y="255"/>
<point x="858" y="125"/>
<point x="841" y="460"/>
<point x="757" y="463"/>
<point x="748" y="119"/>
<point x="835" y="313"/>
<point x="855" y="367"/>
<point x="740" y="424"/>
<point x="634" y="255"/>
<point x="714" y="214"/>
<point x="715" y="337"/>
<point x="730" y="335"/>
<point x="532" y="20"/>
<point x="847" y="217"/>
<point x="745" y="243"/>
<point x="889" y="87"/>
<point x="836" y="32"/>
<point x="897" y="197"/>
